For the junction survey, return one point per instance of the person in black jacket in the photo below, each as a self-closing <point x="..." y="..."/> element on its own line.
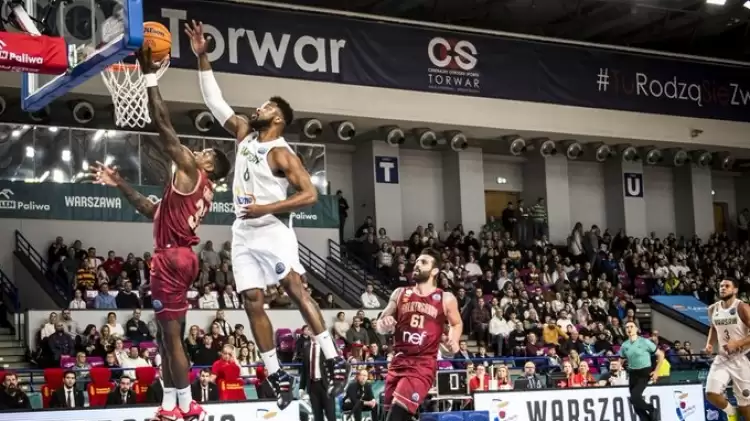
<point x="314" y="380"/>
<point x="136" y="329"/>
<point x="122" y="394"/>
<point x="127" y="298"/>
<point x="155" y="392"/>
<point x="67" y="396"/>
<point x="359" y="398"/>
<point x="11" y="397"/>
<point x="203" y="390"/>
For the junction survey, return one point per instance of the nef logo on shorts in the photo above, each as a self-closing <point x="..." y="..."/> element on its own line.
<point x="454" y="65"/>
<point x="413" y="338"/>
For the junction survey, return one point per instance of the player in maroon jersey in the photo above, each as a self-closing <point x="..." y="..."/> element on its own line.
<point x="416" y="316"/>
<point x="187" y="199"/>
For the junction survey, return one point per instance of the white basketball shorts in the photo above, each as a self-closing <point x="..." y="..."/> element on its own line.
<point x="736" y="369"/>
<point x="263" y="255"/>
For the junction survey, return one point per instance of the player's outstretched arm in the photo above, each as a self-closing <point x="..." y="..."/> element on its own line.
<point x="454" y="320"/>
<point x="743" y="310"/>
<point x="111" y="177"/>
<point x="210" y="90"/>
<point x="286" y="162"/>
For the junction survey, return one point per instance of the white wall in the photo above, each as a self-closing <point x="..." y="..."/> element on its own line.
<point x="723" y="188"/>
<point x="587" y="197"/>
<point x="421" y="179"/>
<point x="123" y="237"/>
<point x="339" y="172"/>
<point x="658" y="185"/>
<point x="510" y="169"/>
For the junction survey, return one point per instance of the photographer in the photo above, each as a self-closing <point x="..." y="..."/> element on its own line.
<point x="359" y="397"/>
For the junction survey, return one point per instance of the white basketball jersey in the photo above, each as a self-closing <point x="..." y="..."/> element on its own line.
<point x="254" y="181"/>
<point x="728" y="324"/>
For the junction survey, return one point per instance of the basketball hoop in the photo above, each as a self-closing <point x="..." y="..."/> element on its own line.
<point x="127" y="87"/>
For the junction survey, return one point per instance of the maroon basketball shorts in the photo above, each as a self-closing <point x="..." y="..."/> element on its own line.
<point x="173" y="270"/>
<point x="408" y="381"/>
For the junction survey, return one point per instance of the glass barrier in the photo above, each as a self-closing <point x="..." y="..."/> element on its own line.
<point x="63" y="155"/>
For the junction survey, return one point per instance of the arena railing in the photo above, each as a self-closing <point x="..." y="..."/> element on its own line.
<point x="331" y="275"/>
<point x="359" y="268"/>
<point x="60" y="286"/>
<point x="698" y="370"/>
<point x="9" y="293"/>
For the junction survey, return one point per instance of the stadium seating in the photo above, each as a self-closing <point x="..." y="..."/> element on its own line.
<point x="231" y="386"/>
<point x="100" y="386"/>
<point x="53" y="380"/>
<point x="144" y="377"/>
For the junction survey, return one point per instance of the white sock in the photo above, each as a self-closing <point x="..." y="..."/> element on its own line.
<point x="271" y="361"/>
<point x="184" y="397"/>
<point x="169" y="401"/>
<point x="325" y="342"/>
<point x="729" y="409"/>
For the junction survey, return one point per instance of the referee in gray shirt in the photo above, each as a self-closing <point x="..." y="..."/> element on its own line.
<point x="637" y="351"/>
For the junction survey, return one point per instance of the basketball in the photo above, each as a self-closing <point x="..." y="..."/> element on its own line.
<point x="157" y="37"/>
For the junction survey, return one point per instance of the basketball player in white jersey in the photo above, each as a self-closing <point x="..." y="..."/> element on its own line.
<point x="264" y="245"/>
<point x="729" y="320"/>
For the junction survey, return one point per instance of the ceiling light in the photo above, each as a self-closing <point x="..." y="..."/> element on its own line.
<point x="109" y="160"/>
<point x="15" y="134"/>
<point x="44" y="176"/>
<point x="98" y="135"/>
<point x="85" y="165"/>
<point x="457" y="140"/>
<point x="427" y="138"/>
<point x="394" y="136"/>
<point x="53" y="129"/>
<point x="65" y="155"/>
<point x="111" y="133"/>
<point x="716" y="2"/>
<point x="747" y="5"/>
<point x="58" y="176"/>
<point x="516" y="144"/>
<point x="345" y="130"/>
<point x="30" y="152"/>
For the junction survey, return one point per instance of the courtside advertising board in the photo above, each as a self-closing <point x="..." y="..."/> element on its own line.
<point x="682" y="402"/>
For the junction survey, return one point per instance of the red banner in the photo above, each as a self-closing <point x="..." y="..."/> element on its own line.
<point x="33" y="54"/>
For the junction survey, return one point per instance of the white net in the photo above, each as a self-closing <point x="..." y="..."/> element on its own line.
<point x="127" y="86"/>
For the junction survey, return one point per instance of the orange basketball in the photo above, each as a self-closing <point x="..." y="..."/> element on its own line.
<point x="157" y="37"/>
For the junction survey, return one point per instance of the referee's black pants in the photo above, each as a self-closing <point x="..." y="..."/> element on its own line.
<point x="637" y="383"/>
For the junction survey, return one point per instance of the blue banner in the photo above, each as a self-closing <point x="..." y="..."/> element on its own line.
<point x="687" y="305"/>
<point x="261" y="41"/>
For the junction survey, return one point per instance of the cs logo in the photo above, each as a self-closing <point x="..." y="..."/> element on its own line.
<point x="452" y="54"/>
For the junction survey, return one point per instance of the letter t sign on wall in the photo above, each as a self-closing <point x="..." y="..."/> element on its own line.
<point x="386" y="169"/>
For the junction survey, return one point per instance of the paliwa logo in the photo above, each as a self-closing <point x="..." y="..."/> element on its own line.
<point x="454" y="65"/>
<point x="7" y="203"/>
<point x="304" y="216"/>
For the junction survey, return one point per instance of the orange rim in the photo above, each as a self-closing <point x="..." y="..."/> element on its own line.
<point x="121" y="67"/>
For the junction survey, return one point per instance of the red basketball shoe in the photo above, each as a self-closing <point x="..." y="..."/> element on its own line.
<point x="168" y="415"/>
<point x="195" y="413"/>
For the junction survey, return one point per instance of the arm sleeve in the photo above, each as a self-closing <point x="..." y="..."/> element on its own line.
<point x="213" y="98"/>
<point x="651" y="346"/>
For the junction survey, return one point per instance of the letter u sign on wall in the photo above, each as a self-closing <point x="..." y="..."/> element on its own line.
<point x="633" y="184"/>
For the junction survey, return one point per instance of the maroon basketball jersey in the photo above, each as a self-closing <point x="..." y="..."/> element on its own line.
<point x="179" y="215"/>
<point x="420" y="323"/>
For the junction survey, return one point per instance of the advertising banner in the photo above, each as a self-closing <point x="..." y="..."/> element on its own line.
<point x="682" y="402"/>
<point x="687" y="305"/>
<point x="90" y="202"/>
<point x="241" y="411"/>
<point x="260" y="41"/>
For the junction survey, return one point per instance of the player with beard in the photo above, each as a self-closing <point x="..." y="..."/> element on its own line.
<point x="264" y="245"/>
<point x="416" y="316"/>
<point x="729" y="320"/>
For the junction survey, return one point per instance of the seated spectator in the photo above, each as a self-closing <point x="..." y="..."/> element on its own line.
<point x="85" y="276"/>
<point x="203" y="389"/>
<point x="103" y="299"/>
<point x="115" y="329"/>
<point x="240" y="339"/>
<point x="663" y="371"/>
<point x="357" y="333"/>
<point x="218" y="340"/>
<point x="248" y="357"/>
<point x="88" y="340"/>
<point x="11" y="396"/>
<point x="616" y="376"/>
<point x="113" y="265"/>
<point x="137" y="329"/>
<point x="280" y="298"/>
<point x="205" y="278"/>
<point x="369" y="299"/>
<point x="224" y="276"/>
<point x="82" y="368"/>
<point x="141" y="275"/>
<point x="110" y="362"/>
<point x="121" y="354"/>
<point x="102" y="277"/>
<point x="225" y="329"/>
<point x="359" y="397"/>
<point x="78" y="303"/>
<point x="584" y="378"/>
<point x="61" y="344"/>
<point x="71" y="326"/>
<point x="155" y="391"/>
<point x="48" y="328"/>
<point x="480" y="380"/>
<point x="207" y="354"/>
<point x="209" y="256"/>
<point x="207" y="300"/>
<point x="229" y="299"/>
<point x="462" y="354"/>
<point x="503" y="378"/>
<point x="226" y="253"/>
<point x="127" y="298"/>
<point x="133" y="361"/>
<point x="192" y="340"/>
<point x="67" y="396"/>
<point x="122" y="394"/>
<point x="228" y="357"/>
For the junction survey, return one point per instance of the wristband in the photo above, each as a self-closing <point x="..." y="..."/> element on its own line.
<point x="151" y="80"/>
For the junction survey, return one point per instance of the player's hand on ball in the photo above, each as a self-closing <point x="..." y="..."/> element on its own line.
<point x="197" y="39"/>
<point x="144" y="60"/>
<point x="105" y="175"/>
<point x="253" y="211"/>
